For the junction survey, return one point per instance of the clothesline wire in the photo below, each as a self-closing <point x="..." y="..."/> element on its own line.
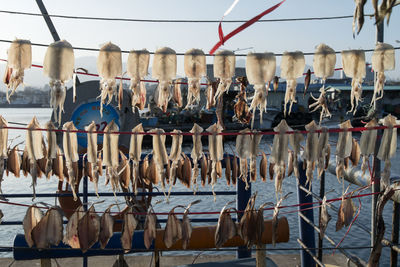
<point x="332" y="130"/>
<point x="214" y="212"/>
<point x="173" y="20"/>
<point x="180" y="54"/>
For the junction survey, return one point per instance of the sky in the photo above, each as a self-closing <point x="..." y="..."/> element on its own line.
<point x="274" y="37"/>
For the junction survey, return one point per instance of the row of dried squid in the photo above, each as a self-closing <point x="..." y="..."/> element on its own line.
<point x="85" y="228"/>
<point x="260" y="70"/>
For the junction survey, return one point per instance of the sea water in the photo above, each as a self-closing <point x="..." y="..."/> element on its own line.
<point x="266" y="193"/>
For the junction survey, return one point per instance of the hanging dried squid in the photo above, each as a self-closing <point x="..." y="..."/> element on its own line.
<point x="51" y="147"/>
<point x="292" y="67"/>
<point x="275" y="220"/>
<point x="197" y="153"/>
<point x="367" y="144"/>
<point x="19" y="59"/>
<point x="150" y="224"/>
<point x="343" y="148"/>
<point x="226" y="227"/>
<point x="324" y="151"/>
<point x="160" y="155"/>
<point x="311" y="150"/>
<point x="383" y="59"/>
<point x="13" y="162"/>
<point x="388" y="147"/>
<point x="58" y="65"/>
<point x="106" y="227"/>
<point x="279" y="154"/>
<point x="260" y="70"/>
<point x="358" y="17"/>
<point x="32" y="218"/>
<point x="34" y="149"/>
<point x="254" y="150"/>
<point x="216" y="148"/>
<point x="324" y="66"/>
<point x="111" y="154"/>
<point x="70" y="147"/>
<point x="92" y="156"/>
<point x="295" y="140"/>
<point x="243" y="147"/>
<point x="109" y="65"/>
<point x="353" y="62"/>
<point x="186" y="226"/>
<point x="137" y="68"/>
<point x="164" y="70"/>
<point x="49" y="230"/>
<point x="195" y="68"/>
<point x="3" y="147"/>
<point x="128" y="228"/>
<point x="88" y="229"/>
<point x="71" y="230"/>
<point x="224" y="69"/>
<point x="135" y="153"/>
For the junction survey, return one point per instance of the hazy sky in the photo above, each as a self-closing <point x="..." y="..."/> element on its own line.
<point x="272" y="36"/>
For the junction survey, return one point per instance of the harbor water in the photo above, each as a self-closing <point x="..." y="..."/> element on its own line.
<point x="266" y="193"/>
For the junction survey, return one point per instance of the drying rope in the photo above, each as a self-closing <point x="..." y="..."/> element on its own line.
<point x="182" y="54"/>
<point x="173" y="20"/>
<point x="332" y="130"/>
<point x="211" y="212"/>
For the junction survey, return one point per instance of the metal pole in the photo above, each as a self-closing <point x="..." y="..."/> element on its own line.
<point x="377" y="162"/>
<point x="243" y="197"/>
<point x="321" y="195"/>
<point x="85" y="207"/>
<point x="395" y="233"/>
<point x="307" y="235"/>
<point x="48" y="21"/>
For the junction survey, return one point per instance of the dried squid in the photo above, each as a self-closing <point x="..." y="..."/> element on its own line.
<point x="311" y="150"/>
<point x="358" y="17"/>
<point x="246" y="230"/>
<point x="173" y="228"/>
<point x="34" y="149"/>
<point x="388" y="147"/>
<point x="382" y="59"/>
<point x="195" y="68"/>
<point x="186" y="226"/>
<point x="367" y="144"/>
<point x="346" y="211"/>
<point x="254" y="150"/>
<point x="106" y="227"/>
<point x="216" y="149"/>
<point x="279" y="154"/>
<point x="177" y="92"/>
<point x="19" y="59"/>
<point x="109" y="65"/>
<point x="197" y="153"/>
<point x="58" y="65"/>
<point x="343" y="148"/>
<point x="243" y="147"/>
<point x="224" y="69"/>
<point x="160" y="155"/>
<point x="292" y="67"/>
<point x="260" y="70"/>
<point x="324" y="151"/>
<point x="150" y="224"/>
<point x="13" y="162"/>
<point x="295" y="140"/>
<point x="3" y="147"/>
<point x="128" y="228"/>
<point x="111" y="154"/>
<point x="88" y="229"/>
<point x="226" y="227"/>
<point x="164" y="70"/>
<point x="175" y="153"/>
<point x="242" y="112"/>
<point x="275" y="220"/>
<point x="51" y="147"/>
<point x="49" y="230"/>
<point x="71" y="230"/>
<point x="135" y="153"/>
<point x="32" y="218"/>
<point x="92" y="157"/>
<point x="324" y="218"/>
<point x="353" y="62"/>
<point x="70" y="146"/>
<point x="137" y="68"/>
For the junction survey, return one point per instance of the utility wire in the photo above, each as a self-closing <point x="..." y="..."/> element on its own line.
<point x="181" y="53"/>
<point x="172" y="20"/>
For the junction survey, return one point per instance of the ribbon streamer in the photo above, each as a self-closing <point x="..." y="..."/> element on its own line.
<point x="223" y="38"/>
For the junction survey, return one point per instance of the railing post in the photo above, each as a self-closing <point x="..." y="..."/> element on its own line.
<point x="243" y="197"/>
<point x="85" y="207"/>
<point x="321" y="195"/>
<point x="395" y="233"/>
<point x="307" y="235"/>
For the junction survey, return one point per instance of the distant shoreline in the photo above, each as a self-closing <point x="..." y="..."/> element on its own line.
<point x="24" y="106"/>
